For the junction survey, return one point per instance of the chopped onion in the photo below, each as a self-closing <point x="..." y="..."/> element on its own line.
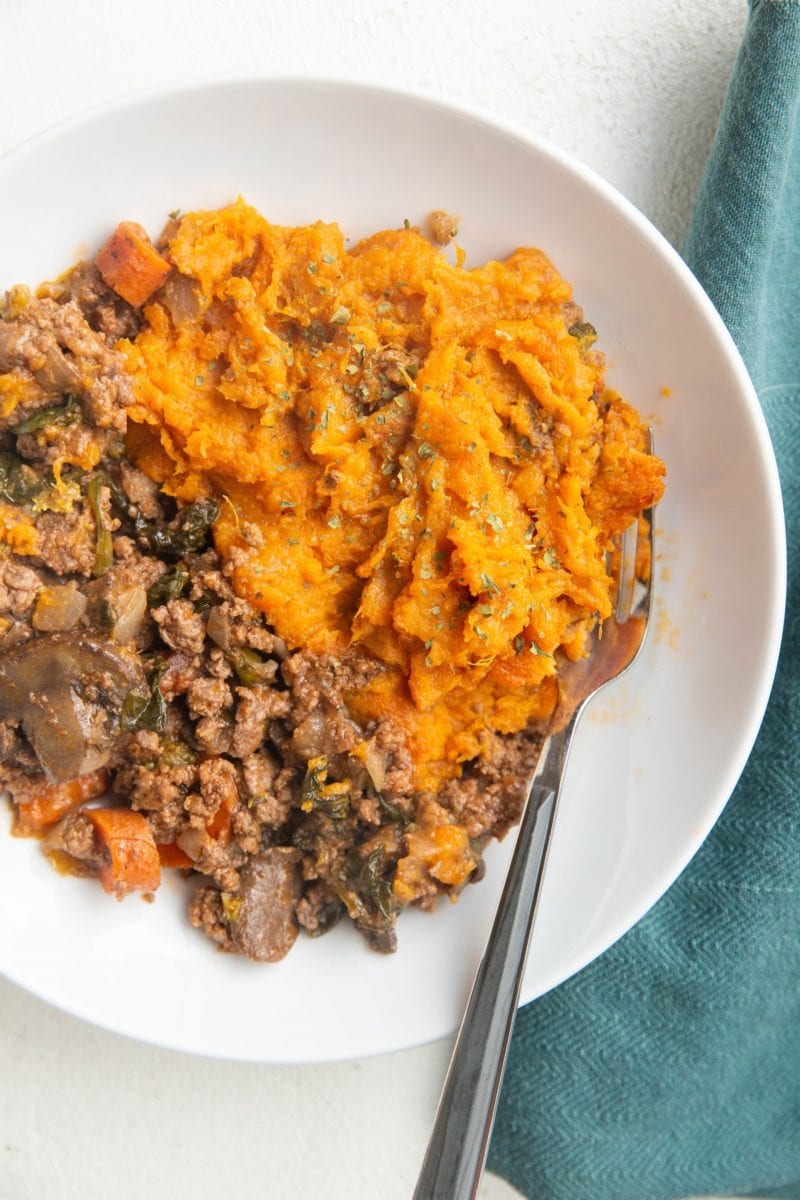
<point x="218" y="628"/>
<point x="375" y="763"/>
<point x="179" y="296"/>
<point x="192" y="842"/>
<point x="130" y="607"/>
<point x="58" y="374"/>
<point x="58" y="608"/>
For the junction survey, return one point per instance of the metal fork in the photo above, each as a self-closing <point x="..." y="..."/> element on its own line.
<point x="457" y="1150"/>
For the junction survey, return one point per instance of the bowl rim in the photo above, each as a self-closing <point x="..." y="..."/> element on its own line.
<point x="774" y="588"/>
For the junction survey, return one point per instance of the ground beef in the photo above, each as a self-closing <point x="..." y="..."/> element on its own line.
<point x="159" y="791"/>
<point x="182" y="670"/>
<point x="488" y="798"/>
<point x="30" y="349"/>
<point x="68" y="541"/>
<point x="142" y="492"/>
<point x="318" y="910"/>
<point x="131" y="571"/>
<point x="208" y="697"/>
<point x="76" y="837"/>
<point x="236" y="623"/>
<point x="391" y="745"/>
<point x="19" y="585"/>
<point x="216" y="858"/>
<point x="206" y="913"/>
<point x="247" y="831"/>
<point x="273" y="807"/>
<point x="260" y="772"/>
<point x="213" y="734"/>
<point x="105" y="311"/>
<point x="70" y="443"/>
<point x="256" y="706"/>
<point x="181" y="626"/>
<point x="313" y="677"/>
<point x="219" y="784"/>
<point x="53" y="346"/>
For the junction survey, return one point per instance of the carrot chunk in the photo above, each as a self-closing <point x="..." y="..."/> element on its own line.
<point x="133" y="861"/>
<point x="54" y="801"/>
<point x="171" y="855"/>
<point x="219" y="827"/>
<point x="131" y="265"/>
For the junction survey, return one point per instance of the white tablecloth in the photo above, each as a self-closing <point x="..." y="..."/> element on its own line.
<point x="632" y="88"/>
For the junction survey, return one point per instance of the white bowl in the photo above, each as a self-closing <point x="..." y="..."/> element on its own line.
<point x="656" y="758"/>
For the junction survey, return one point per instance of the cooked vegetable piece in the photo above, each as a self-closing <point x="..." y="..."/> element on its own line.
<point x="146" y="712"/>
<point x="19" y="483"/>
<point x="60" y="414"/>
<point x="585" y="334"/>
<point x="58" y="608"/>
<point x="250" y="667"/>
<point x="365" y="889"/>
<point x="261" y="916"/>
<point x="53" y="801"/>
<point x="130" y="609"/>
<point x="219" y="827"/>
<point x="443" y="852"/>
<point x="133" y="863"/>
<point x="187" y="533"/>
<point x="171" y="855"/>
<point x="333" y="798"/>
<point x="118" y="496"/>
<point x="67" y="691"/>
<point x="170" y="586"/>
<point x="131" y="265"/>
<point x="104" y="552"/>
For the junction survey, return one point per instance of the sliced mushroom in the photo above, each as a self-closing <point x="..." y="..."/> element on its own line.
<point x="57" y="374"/>
<point x="67" y="692"/>
<point x="264" y="927"/>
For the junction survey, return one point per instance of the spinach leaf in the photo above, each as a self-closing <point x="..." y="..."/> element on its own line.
<point x="169" y="587"/>
<point x="19" y="483"/>
<point x="186" y="534"/>
<point x="146" y="712"/>
<point x="60" y="414"/>
<point x="249" y="666"/>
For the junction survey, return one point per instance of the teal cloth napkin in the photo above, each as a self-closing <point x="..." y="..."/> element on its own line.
<point x="671" y="1066"/>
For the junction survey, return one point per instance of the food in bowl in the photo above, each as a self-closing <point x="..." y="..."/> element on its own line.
<point x="295" y="539"/>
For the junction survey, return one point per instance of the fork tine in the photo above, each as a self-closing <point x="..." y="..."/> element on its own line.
<point x="626" y="582"/>
<point x="635" y="586"/>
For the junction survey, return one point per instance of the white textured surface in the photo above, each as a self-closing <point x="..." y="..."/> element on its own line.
<point x="632" y="89"/>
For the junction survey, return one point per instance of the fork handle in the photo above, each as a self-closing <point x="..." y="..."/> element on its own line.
<point x="459" y="1143"/>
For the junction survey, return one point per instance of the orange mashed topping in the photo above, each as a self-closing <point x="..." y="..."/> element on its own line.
<point x="418" y="459"/>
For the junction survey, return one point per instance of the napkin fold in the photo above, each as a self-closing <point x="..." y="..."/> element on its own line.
<point x="671" y="1065"/>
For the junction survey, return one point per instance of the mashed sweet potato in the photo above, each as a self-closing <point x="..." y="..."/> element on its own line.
<point x="415" y="457"/>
